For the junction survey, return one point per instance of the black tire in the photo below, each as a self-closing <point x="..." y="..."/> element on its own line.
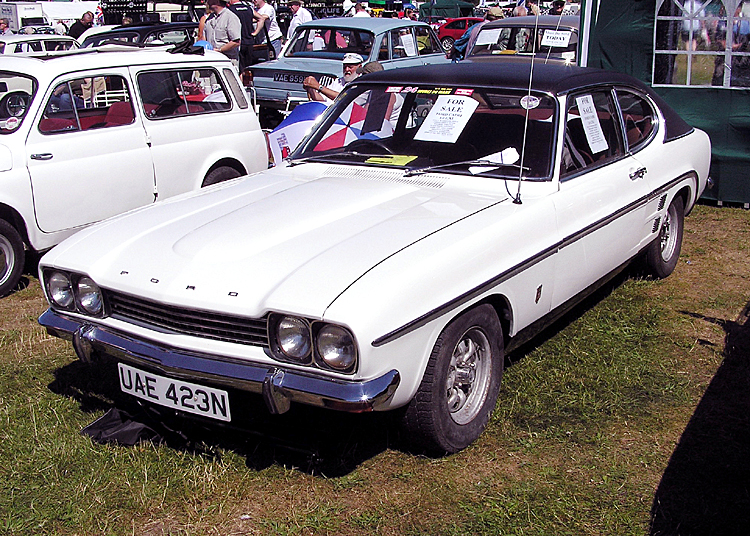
<point x="447" y="43"/>
<point x="460" y="385"/>
<point x="664" y="252"/>
<point x="12" y="258"/>
<point x="220" y="174"/>
<point x="14" y="104"/>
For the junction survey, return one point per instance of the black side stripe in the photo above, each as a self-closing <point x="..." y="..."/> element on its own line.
<point x="524" y="265"/>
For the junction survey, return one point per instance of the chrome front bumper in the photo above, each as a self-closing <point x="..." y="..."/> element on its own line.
<point x="278" y="386"/>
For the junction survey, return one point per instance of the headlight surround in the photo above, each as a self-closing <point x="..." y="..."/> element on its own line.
<point x="73" y="292"/>
<point x="313" y="343"/>
<point x="60" y="290"/>
<point x="336" y="347"/>
<point x="294" y="338"/>
<point x="89" y="296"/>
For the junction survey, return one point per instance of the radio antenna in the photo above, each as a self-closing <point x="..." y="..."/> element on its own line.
<point x="527" y="107"/>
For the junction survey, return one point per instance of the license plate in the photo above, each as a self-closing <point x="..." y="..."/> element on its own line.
<point x="189" y="397"/>
<point x="288" y="77"/>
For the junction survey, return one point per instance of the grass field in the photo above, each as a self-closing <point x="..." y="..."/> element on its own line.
<point x="631" y="416"/>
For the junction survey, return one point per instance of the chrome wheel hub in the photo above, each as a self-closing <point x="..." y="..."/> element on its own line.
<point x="469" y="376"/>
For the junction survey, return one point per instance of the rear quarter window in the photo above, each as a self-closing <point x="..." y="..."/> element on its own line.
<point x="182" y="92"/>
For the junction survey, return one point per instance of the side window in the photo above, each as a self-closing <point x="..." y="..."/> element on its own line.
<point x="234" y="86"/>
<point x="181" y="92"/>
<point x="87" y="103"/>
<point x="638" y="118"/>
<point x="591" y="132"/>
<point x="425" y="42"/>
<point x="383" y="54"/>
<point x="402" y="42"/>
<point x="166" y="37"/>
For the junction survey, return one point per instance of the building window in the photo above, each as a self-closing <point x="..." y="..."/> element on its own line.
<point x="702" y="43"/>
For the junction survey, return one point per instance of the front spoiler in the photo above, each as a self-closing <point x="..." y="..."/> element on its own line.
<point x="278" y="386"/>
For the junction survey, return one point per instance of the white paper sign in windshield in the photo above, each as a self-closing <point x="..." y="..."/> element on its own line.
<point x="488" y="37"/>
<point x="556" y="38"/>
<point x="447" y="119"/>
<point x="591" y="125"/>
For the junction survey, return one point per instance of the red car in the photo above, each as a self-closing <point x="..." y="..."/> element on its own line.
<point x="452" y="29"/>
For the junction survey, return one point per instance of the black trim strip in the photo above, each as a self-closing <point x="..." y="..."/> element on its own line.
<point x="528" y="263"/>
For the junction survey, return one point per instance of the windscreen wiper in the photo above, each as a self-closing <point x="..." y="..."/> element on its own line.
<point x="480" y="162"/>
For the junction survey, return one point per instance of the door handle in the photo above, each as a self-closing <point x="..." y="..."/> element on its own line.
<point x="42" y="156"/>
<point x="638" y="173"/>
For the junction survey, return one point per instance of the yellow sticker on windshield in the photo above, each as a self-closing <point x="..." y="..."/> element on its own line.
<point x="391" y="159"/>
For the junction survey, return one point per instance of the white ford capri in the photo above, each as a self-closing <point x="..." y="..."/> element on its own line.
<point x="432" y="220"/>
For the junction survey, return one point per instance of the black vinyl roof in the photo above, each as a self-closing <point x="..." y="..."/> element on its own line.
<point x="556" y="79"/>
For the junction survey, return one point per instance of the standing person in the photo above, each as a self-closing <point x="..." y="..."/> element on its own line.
<point x="350" y="65"/>
<point x="80" y="26"/>
<point x="360" y="11"/>
<point x="246" y="14"/>
<point x="466" y="42"/>
<point x="301" y="15"/>
<point x="557" y="7"/>
<point x="223" y="30"/>
<point x="267" y="18"/>
<point x="5" y="27"/>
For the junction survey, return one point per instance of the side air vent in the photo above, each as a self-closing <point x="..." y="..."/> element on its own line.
<point x="655" y="228"/>
<point x="423" y="181"/>
<point x="662" y="201"/>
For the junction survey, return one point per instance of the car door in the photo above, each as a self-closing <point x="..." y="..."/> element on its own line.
<point x="404" y="48"/>
<point x="188" y="125"/>
<point x="600" y="204"/>
<point x="87" y="153"/>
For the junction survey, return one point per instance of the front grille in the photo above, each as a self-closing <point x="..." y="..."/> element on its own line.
<point x="203" y="324"/>
<point x="326" y="80"/>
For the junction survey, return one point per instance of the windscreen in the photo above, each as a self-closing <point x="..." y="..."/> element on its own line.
<point x="16" y="92"/>
<point x="461" y="130"/>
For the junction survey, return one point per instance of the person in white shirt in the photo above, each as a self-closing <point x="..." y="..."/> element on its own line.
<point x="360" y="11"/>
<point x="315" y="92"/>
<point x="267" y="17"/>
<point x="300" y="15"/>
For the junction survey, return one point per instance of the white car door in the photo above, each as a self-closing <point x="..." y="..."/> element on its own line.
<point x="87" y="153"/>
<point x="190" y="124"/>
<point x="600" y="205"/>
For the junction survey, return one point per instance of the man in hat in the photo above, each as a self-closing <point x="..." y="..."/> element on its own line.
<point x="557" y="7"/>
<point x="350" y="64"/>
<point x="467" y="40"/>
<point x="224" y="30"/>
<point x="300" y="15"/>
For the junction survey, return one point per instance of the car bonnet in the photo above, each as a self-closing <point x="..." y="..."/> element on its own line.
<point x="274" y="241"/>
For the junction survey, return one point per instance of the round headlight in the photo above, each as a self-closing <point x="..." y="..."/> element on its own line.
<point x="336" y="347"/>
<point x="89" y="296"/>
<point x="60" y="290"/>
<point x="293" y="336"/>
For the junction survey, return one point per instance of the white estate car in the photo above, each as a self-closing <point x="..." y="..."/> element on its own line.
<point x="85" y="135"/>
<point x="35" y="43"/>
<point x="393" y="259"/>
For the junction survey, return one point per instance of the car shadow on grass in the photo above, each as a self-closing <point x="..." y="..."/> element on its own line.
<point x="312" y="440"/>
<point x="705" y="488"/>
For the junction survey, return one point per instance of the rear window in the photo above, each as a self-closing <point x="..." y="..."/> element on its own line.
<point x="330" y="43"/>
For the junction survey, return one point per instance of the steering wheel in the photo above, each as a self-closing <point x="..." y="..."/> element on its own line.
<point x="365" y="141"/>
<point x="15" y="104"/>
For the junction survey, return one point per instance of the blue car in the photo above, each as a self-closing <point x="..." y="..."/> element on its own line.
<point x="318" y="47"/>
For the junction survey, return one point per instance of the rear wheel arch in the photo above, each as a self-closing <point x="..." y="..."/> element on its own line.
<point x="223" y="163"/>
